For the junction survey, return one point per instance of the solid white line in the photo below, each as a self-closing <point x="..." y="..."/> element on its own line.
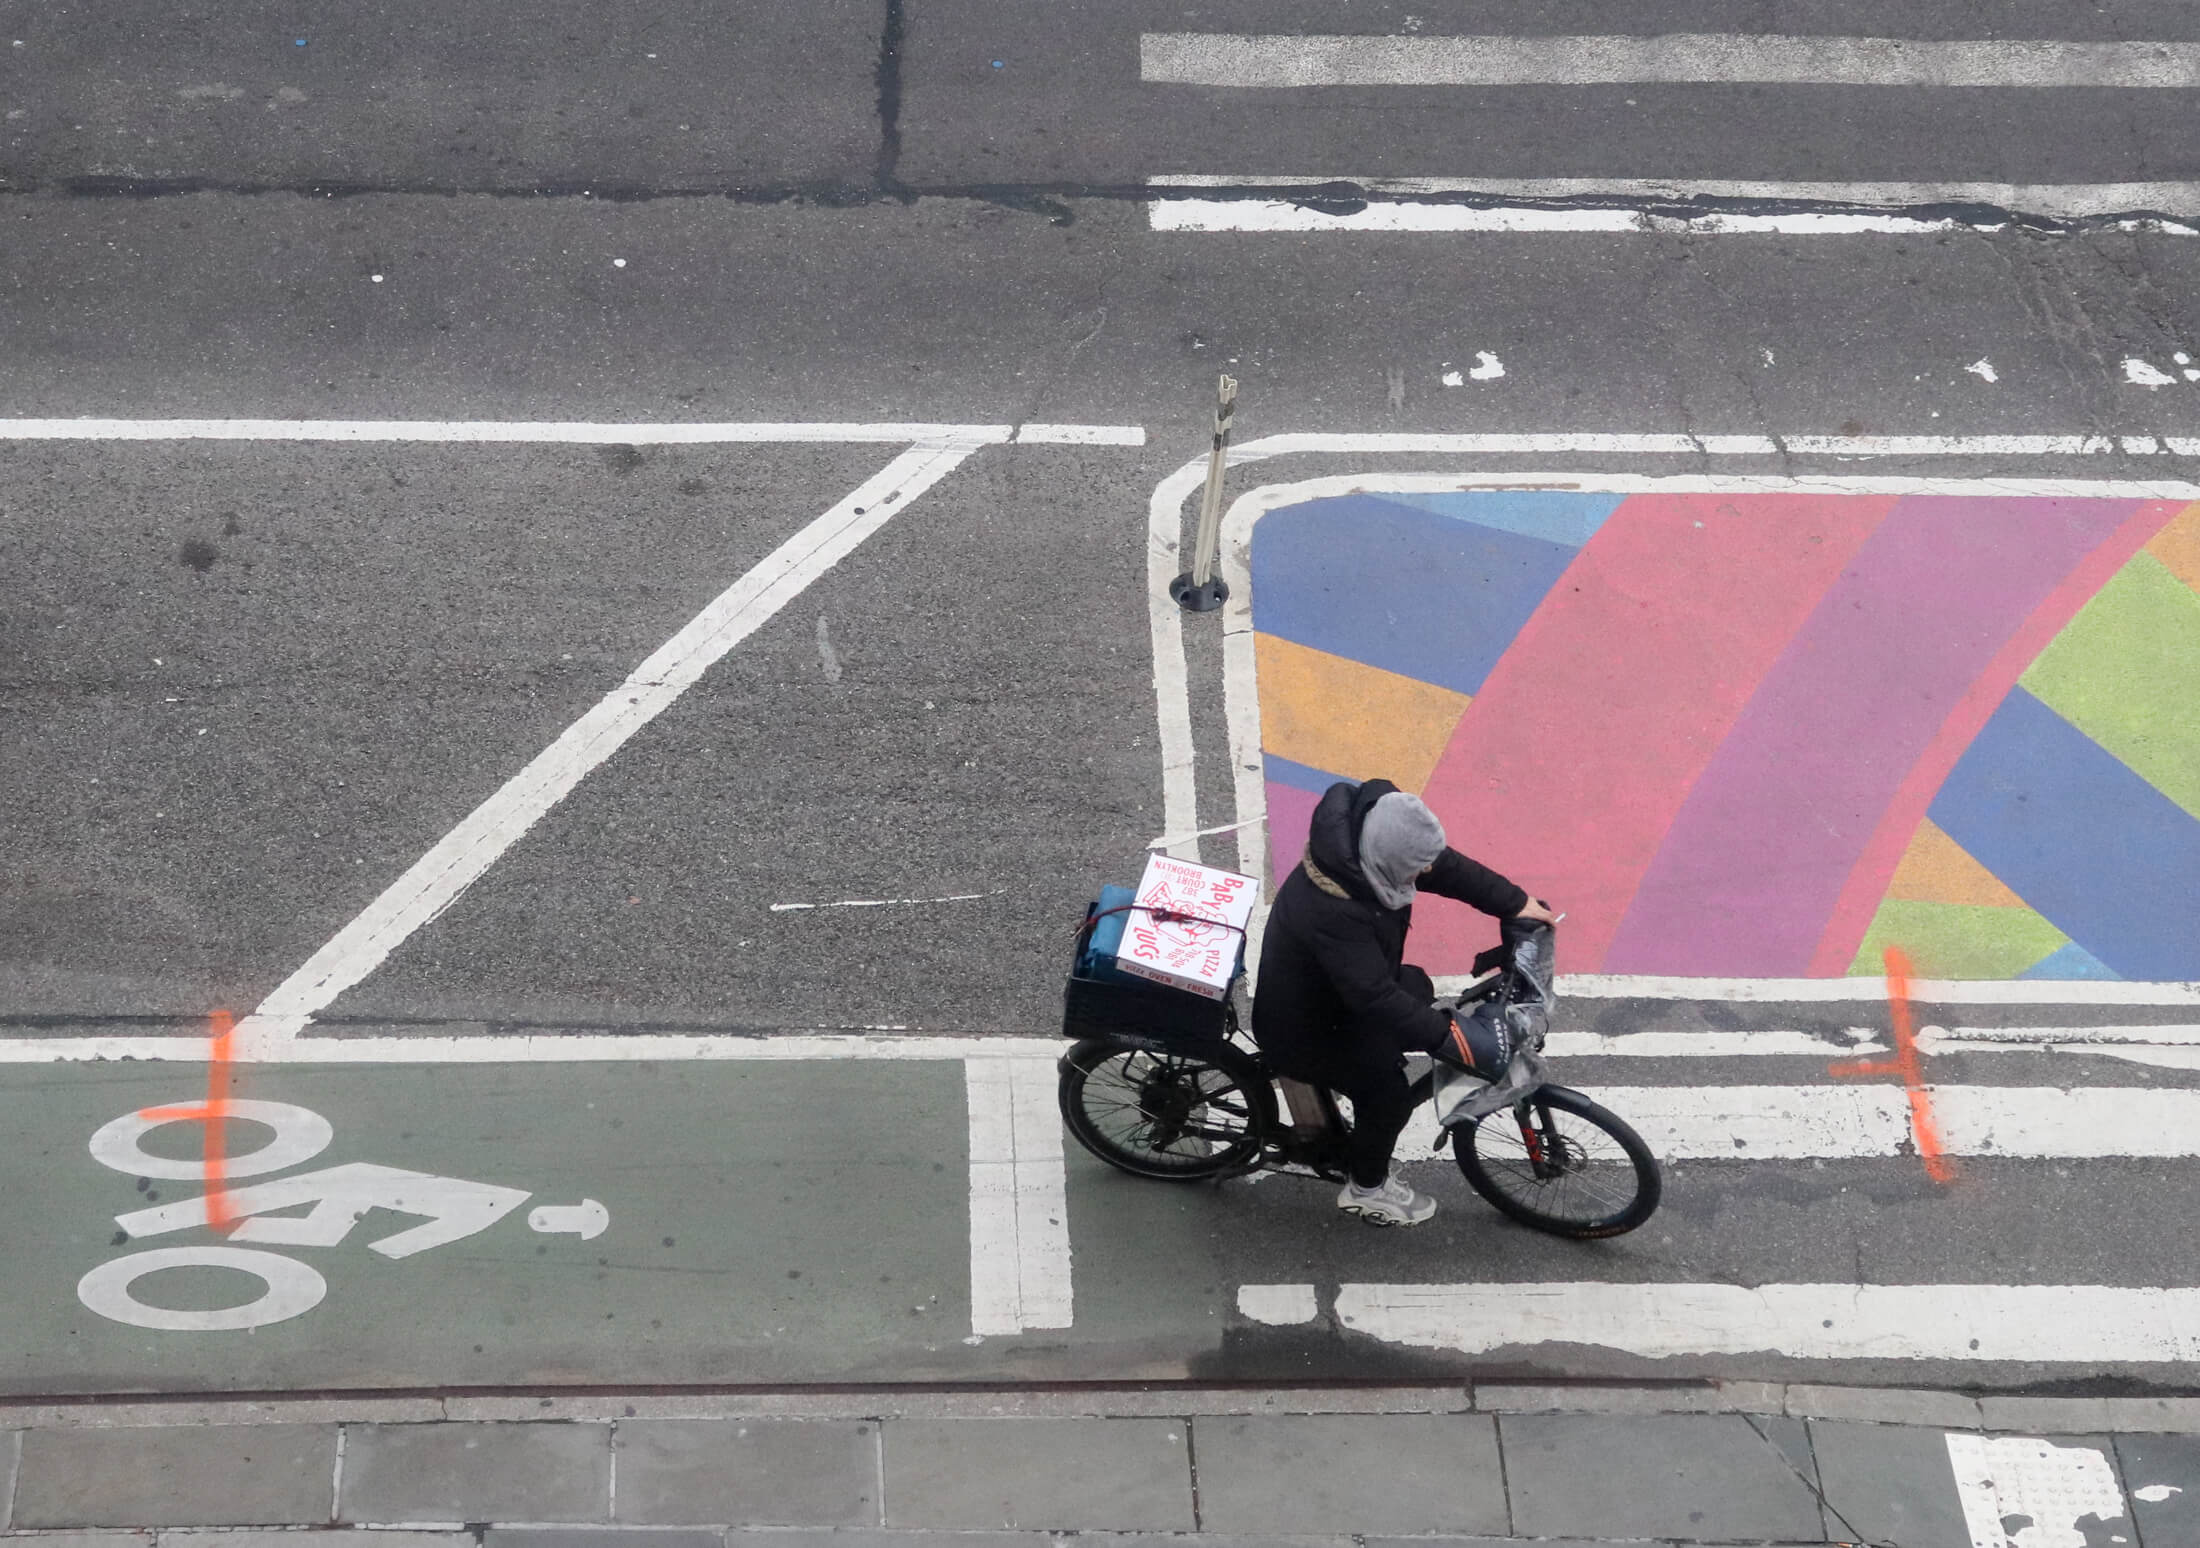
<point x="435" y="881"/>
<point x="1172" y="687"/>
<point x="1282" y="215"/>
<point x="1866" y="1119"/>
<point x="1019" y="1222"/>
<point x="1712" y="1044"/>
<point x="499" y="431"/>
<point x="1080" y="435"/>
<point x="2098" y="1324"/>
<point x="536" y="1048"/>
<point x="1680" y="58"/>
<point x="1171" y="675"/>
<point x="2055" y="201"/>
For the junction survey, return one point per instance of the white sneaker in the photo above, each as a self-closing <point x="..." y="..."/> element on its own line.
<point x="1395" y="1203"/>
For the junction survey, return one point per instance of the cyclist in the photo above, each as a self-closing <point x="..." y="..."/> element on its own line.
<point x="1336" y="1005"/>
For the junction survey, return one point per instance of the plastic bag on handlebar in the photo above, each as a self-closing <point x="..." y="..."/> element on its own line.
<point x="1501" y="1039"/>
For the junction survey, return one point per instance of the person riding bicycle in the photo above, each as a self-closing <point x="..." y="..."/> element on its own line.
<point x="1336" y="1005"/>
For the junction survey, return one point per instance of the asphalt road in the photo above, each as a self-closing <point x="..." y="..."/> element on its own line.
<point x="246" y="684"/>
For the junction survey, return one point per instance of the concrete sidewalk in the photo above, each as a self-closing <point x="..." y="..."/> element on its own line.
<point x="966" y="1469"/>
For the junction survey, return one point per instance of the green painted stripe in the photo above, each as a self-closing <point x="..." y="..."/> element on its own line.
<point x="1957" y="940"/>
<point x="2126" y="672"/>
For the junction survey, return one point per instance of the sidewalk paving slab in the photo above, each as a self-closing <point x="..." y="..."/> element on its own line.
<point x="1102" y="1474"/>
<point x="767" y="1472"/>
<point x="2162" y="1486"/>
<point x="1712" y="1476"/>
<point x="215" y="1475"/>
<point x="476" y="1472"/>
<point x="1888" y="1484"/>
<point x="1407" y="1474"/>
<point x="142" y="1538"/>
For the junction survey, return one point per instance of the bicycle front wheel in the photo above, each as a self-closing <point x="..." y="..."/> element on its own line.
<point x="1562" y="1164"/>
<point x="1173" y="1114"/>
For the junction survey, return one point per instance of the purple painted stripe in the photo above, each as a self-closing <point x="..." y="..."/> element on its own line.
<point x="1754" y="863"/>
<point x="1290" y="816"/>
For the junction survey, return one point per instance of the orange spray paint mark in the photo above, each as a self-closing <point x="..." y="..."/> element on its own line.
<point x="213" y="1114"/>
<point x="1907" y="1063"/>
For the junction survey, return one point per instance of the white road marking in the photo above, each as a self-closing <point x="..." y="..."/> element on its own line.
<point x="952" y="897"/>
<point x="1859" y="1120"/>
<point x="1080" y="435"/>
<point x="2052" y="201"/>
<point x="1716" y="1043"/>
<point x="1172" y="686"/>
<point x="1284" y="215"/>
<point x="2049" y="1324"/>
<point x="567" y="432"/>
<point x="2155" y="1494"/>
<point x="436" y="880"/>
<point x="587" y="1220"/>
<point x="545" y="1048"/>
<point x="1279" y="1306"/>
<point x="1674" y="58"/>
<point x="291" y="1289"/>
<point x="2042" y="1488"/>
<point x="1019" y="1211"/>
<point x="341" y="1196"/>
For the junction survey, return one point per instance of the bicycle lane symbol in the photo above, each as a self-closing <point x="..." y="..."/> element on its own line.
<point x="334" y="1200"/>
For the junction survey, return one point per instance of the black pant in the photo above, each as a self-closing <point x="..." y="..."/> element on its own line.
<point x="1367" y="1073"/>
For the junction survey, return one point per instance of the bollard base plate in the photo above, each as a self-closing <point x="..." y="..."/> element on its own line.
<point x="1195" y="598"/>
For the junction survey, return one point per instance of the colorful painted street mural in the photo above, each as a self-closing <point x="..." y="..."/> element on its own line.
<point x="1762" y="734"/>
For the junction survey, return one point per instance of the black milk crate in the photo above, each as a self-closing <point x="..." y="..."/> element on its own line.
<point x="1095" y="1007"/>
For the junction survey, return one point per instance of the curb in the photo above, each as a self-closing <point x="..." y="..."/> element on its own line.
<point x="2169" y="1413"/>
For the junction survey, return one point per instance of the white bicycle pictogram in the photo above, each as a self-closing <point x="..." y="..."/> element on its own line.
<point x="335" y="1199"/>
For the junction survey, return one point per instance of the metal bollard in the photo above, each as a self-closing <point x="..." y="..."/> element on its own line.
<point x="1200" y="589"/>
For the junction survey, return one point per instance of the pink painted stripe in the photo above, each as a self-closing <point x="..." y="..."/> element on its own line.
<point x="1290" y="816"/>
<point x="1571" y="763"/>
<point x="1867" y="882"/>
<point x="1756" y="859"/>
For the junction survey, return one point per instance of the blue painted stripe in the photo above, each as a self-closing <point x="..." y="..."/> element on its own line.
<point x="1297" y="775"/>
<point x="1552" y="515"/>
<point x="1422" y="595"/>
<point x="2108" y="859"/>
<point x="2069" y="960"/>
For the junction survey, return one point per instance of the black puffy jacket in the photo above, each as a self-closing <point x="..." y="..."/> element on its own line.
<point x="1329" y="962"/>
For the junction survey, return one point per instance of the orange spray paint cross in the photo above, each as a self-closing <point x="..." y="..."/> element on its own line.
<point x="1907" y="1063"/>
<point x="213" y="1114"/>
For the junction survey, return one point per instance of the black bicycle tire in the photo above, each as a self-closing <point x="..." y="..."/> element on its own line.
<point x="1649" y="1179"/>
<point x="1244" y="1075"/>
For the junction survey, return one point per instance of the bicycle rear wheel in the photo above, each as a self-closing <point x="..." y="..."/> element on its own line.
<point x="1179" y="1114"/>
<point x="1562" y="1164"/>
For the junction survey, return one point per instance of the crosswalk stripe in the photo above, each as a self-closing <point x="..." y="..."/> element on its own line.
<point x="1683" y="58"/>
<point x="2044" y="1323"/>
<point x="1851" y="1122"/>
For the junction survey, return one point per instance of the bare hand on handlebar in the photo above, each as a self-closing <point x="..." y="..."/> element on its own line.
<point x="1536" y="908"/>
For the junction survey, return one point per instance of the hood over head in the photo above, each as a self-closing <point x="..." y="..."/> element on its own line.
<point x="1336" y="840"/>
<point x="1400" y="839"/>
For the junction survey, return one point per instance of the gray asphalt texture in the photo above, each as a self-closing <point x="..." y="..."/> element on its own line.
<point x="847" y="212"/>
